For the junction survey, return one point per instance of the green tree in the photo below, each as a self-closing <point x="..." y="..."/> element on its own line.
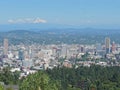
<point x="38" y="81"/>
<point x="9" y="88"/>
<point x="1" y="87"/>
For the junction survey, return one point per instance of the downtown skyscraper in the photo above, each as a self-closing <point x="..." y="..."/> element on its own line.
<point x="5" y="46"/>
<point x="107" y="45"/>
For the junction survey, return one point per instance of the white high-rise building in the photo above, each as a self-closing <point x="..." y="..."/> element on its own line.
<point x="5" y="46"/>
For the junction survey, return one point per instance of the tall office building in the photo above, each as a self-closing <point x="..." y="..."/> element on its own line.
<point x="64" y="50"/>
<point x="113" y="48"/>
<point x="107" y="45"/>
<point x="5" y="46"/>
<point x="21" y="55"/>
<point x="98" y="47"/>
<point x="82" y="49"/>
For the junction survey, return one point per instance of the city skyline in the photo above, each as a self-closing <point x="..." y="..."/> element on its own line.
<point x="59" y="45"/>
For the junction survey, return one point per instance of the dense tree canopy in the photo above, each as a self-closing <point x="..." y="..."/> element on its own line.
<point x="88" y="78"/>
<point x="62" y="78"/>
<point x="39" y="81"/>
<point x="8" y="77"/>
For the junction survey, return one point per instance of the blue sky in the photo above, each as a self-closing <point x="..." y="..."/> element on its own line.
<point x="87" y="13"/>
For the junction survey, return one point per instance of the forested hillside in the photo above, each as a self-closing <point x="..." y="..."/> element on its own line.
<point x="82" y="78"/>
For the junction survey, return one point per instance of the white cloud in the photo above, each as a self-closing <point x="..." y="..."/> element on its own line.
<point x="11" y="21"/>
<point x="27" y="20"/>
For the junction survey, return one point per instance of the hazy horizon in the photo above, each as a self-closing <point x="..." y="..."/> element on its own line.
<point x="54" y="14"/>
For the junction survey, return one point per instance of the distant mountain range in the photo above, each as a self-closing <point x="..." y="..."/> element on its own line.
<point x="35" y="33"/>
<point x="48" y="27"/>
<point x="57" y="36"/>
<point x="31" y="27"/>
